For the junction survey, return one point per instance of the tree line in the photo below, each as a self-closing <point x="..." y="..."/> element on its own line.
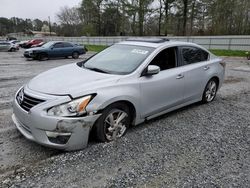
<point x="16" y="25"/>
<point x="145" y="17"/>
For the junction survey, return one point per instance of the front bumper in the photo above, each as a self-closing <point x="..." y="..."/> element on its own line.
<point x="35" y="124"/>
<point x="29" y="55"/>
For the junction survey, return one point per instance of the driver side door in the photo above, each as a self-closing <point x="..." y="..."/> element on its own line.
<point x="56" y="50"/>
<point x="164" y="90"/>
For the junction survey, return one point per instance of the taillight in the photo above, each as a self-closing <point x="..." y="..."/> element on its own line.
<point x="223" y="64"/>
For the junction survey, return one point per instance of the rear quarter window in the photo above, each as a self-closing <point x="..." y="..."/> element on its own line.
<point x="192" y="55"/>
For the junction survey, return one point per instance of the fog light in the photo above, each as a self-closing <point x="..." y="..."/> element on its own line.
<point x="58" y="138"/>
<point x="56" y="134"/>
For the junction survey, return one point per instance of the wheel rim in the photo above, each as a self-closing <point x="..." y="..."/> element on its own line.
<point x="75" y="55"/>
<point x="211" y="91"/>
<point x="115" y="124"/>
<point x="43" y="57"/>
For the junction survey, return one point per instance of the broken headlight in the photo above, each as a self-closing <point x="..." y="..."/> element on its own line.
<point x="73" y="108"/>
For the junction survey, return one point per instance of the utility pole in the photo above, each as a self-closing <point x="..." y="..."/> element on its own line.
<point x="49" y="27"/>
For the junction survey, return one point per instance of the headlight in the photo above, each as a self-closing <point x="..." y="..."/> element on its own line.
<point x="73" y="108"/>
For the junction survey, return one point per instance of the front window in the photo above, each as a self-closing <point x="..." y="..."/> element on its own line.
<point x="118" y="59"/>
<point x="48" y="44"/>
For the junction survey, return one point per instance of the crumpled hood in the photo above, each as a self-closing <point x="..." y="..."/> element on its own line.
<point x="70" y="80"/>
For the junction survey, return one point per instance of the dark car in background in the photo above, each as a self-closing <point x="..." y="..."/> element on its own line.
<point x="54" y="49"/>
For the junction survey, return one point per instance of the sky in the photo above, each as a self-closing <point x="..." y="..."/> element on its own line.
<point x="40" y="9"/>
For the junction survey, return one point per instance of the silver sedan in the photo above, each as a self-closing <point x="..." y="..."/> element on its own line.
<point x="124" y="85"/>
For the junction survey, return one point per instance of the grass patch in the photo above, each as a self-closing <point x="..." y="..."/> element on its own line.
<point x="236" y="53"/>
<point x="95" y="48"/>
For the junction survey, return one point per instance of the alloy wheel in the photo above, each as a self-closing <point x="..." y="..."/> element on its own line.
<point x="211" y="91"/>
<point x="115" y="124"/>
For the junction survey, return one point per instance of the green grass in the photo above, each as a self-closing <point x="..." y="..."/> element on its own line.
<point x="235" y="53"/>
<point x="95" y="48"/>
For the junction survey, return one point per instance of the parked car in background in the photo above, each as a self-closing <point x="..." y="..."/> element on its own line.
<point x="32" y="42"/>
<point x="22" y="43"/>
<point x="11" y="38"/>
<point x="15" y="43"/>
<point x="38" y="45"/>
<point x="125" y="84"/>
<point x="55" y="49"/>
<point x="6" y="46"/>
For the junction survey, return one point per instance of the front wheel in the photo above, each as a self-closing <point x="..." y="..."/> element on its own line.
<point x="113" y="123"/>
<point x="75" y="55"/>
<point x="210" y="91"/>
<point x="42" y="57"/>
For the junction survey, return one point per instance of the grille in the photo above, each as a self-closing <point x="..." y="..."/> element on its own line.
<point x="27" y="102"/>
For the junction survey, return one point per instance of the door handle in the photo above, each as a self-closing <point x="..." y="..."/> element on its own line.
<point x="206" y="68"/>
<point x="180" y="76"/>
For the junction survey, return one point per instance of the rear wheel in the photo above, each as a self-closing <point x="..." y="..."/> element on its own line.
<point x="12" y="49"/>
<point x="210" y="91"/>
<point x="113" y="122"/>
<point x="75" y="55"/>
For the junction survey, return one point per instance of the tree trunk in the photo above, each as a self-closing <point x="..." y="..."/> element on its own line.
<point x="192" y="18"/>
<point x="141" y="17"/>
<point x="166" y="17"/>
<point x="160" y="17"/>
<point x="185" y="2"/>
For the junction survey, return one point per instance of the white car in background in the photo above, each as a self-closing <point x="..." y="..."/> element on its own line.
<point x="6" y="46"/>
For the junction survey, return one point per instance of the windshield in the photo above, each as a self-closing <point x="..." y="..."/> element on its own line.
<point x="48" y="44"/>
<point x="118" y="59"/>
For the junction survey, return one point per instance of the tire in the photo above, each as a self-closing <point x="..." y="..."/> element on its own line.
<point x="105" y="130"/>
<point x="210" y="91"/>
<point x="12" y="50"/>
<point x="75" y="55"/>
<point x="42" y="57"/>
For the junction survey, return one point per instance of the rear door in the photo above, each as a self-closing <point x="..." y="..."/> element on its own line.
<point x="164" y="90"/>
<point x="196" y="66"/>
<point x="68" y="49"/>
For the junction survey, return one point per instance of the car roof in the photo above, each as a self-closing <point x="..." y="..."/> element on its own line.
<point x="157" y="42"/>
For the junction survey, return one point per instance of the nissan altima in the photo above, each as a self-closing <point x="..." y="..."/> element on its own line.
<point x="124" y="85"/>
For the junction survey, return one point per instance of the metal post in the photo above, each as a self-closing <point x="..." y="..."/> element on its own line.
<point x="229" y="45"/>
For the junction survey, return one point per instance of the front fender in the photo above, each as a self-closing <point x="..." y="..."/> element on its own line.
<point x="105" y="98"/>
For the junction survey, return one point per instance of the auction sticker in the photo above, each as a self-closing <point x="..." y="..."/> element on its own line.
<point x="138" y="51"/>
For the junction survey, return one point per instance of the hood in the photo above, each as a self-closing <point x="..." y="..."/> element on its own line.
<point x="70" y="80"/>
<point x="33" y="49"/>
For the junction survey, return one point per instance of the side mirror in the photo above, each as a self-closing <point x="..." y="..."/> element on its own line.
<point x="151" y="70"/>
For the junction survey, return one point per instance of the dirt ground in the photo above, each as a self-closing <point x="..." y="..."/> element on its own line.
<point x="199" y="145"/>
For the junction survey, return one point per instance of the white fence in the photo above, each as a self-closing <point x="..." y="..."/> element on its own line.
<point x="210" y="42"/>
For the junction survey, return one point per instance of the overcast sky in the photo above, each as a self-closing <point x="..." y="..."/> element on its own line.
<point x="34" y="8"/>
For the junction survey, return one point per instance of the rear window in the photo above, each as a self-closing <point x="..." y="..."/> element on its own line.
<point x="193" y="55"/>
<point x="66" y="44"/>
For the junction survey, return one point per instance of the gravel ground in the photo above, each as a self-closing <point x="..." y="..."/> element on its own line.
<point x="196" y="146"/>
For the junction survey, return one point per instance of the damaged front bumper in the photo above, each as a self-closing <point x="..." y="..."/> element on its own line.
<point x="56" y="132"/>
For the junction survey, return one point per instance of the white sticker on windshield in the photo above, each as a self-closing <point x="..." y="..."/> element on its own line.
<point x="137" y="51"/>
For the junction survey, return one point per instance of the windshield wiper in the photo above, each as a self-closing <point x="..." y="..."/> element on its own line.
<point x="96" y="69"/>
